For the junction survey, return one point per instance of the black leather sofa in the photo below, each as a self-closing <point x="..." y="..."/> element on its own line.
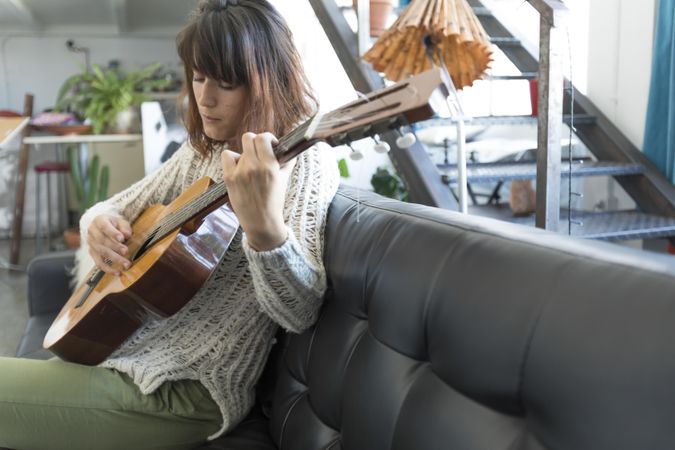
<point x="444" y="331"/>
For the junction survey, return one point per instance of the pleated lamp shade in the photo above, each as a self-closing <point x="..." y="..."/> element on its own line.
<point x="455" y="31"/>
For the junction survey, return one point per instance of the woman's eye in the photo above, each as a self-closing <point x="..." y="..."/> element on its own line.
<point x="226" y="87"/>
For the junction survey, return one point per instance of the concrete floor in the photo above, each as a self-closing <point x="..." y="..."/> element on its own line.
<point x="13" y="308"/>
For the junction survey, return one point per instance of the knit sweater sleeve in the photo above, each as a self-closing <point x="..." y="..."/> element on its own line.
<point x="159" y="187"/>
<point x="290" y="280"/>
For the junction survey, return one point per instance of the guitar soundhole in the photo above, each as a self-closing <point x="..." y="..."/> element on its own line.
<point x="146" y="245"/>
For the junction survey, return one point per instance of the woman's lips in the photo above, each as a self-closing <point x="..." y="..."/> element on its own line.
<point x="209" y="119"/>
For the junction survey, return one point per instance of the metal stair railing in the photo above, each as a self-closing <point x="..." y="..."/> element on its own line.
<point x="652" y="192"/>
<point x="413" y="164"/>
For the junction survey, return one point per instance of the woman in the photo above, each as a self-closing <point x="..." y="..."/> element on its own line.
<point x="179" y="381"/>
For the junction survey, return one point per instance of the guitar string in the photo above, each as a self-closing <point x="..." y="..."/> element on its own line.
<point x="330" y="121"/>
<point x="212" y="194"/>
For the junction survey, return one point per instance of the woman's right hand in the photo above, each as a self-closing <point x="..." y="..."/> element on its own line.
<point x="106" y="236"/>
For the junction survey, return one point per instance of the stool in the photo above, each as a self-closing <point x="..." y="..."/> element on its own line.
<point x="47" y="167"/>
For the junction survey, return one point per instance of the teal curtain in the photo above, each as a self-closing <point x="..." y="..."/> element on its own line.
<point x="659" y="143"/>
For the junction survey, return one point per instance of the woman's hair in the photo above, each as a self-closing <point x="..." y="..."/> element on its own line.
<point x="245" y="42"/>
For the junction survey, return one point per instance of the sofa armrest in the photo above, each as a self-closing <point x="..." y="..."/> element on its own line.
<point x="48" y="282"/>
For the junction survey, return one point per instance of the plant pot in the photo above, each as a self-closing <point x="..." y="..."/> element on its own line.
<point x="71" y="237"/>
<point x="379" y="13"/>
<point x="127" y="122"/>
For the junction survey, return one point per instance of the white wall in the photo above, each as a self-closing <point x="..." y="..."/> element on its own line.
<point x="619" y="61"/>
<point x="40" y="65"/>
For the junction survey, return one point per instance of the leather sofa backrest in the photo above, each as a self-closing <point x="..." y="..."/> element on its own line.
<point x="445" y="331"/>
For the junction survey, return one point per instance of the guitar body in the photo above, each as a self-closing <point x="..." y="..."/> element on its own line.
<point x="161" y="280"/>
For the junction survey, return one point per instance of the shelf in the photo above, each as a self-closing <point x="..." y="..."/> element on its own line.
<point x="82" y="138"/>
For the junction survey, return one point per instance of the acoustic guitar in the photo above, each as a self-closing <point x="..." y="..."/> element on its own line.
<point x="174" y="248"/>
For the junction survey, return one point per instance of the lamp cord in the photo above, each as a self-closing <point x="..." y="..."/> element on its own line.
<point x="569" y="143"/>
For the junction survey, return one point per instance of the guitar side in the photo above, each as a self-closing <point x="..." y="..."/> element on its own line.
<point x="159" y="282"/>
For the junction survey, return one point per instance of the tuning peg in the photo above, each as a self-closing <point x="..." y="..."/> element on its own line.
<point x="381" y="147"/>
<point x="355" y="155"/>
<point x="405" y="141"/>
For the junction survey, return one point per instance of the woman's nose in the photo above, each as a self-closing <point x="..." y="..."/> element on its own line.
<point x="206" y="95"/>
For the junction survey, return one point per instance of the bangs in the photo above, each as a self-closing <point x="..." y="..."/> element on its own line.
<point x="211" y="49"/>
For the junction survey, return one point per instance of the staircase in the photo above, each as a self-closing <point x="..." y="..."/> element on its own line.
<point x="614" y="155"/>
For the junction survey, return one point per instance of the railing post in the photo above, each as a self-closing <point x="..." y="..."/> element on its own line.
<point x="549" y="129"/>
<point x="363" y="29"/>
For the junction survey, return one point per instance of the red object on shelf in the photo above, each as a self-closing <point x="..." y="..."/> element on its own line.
<point x="671" y="248"/>
<point x="534" y="96"/>
<point x="51" y="166"/>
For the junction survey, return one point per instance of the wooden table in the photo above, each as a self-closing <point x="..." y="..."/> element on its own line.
<point x="10" y="127"/>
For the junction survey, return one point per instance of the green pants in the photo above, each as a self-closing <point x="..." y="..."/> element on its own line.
<point x="52" y="405"/>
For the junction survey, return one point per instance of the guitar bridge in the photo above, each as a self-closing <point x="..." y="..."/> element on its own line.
<point x="91" y="283"/>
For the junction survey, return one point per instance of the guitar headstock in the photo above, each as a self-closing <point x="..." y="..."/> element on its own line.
<point x="414" y="99"/>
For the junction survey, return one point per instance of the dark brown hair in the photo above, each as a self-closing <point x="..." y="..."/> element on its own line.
<point x="245" y="42"/>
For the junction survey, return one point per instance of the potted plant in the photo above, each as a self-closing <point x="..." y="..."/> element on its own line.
<point x="379" y="13"/>
<point x="388" y="184"/>
<point x="89" y="190"/>
<point x="103" y="94"/>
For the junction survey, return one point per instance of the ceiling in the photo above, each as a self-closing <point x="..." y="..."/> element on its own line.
<point x="94" y="17"/>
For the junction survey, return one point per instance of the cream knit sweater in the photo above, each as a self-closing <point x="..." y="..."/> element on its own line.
<point x="223" y="335"/>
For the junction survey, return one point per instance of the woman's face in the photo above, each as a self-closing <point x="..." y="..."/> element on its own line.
<point x="221" y="106"/>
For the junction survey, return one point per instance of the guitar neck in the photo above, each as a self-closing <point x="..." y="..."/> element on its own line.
<point x="405" y="102"/>
<point x="289" y="146"/>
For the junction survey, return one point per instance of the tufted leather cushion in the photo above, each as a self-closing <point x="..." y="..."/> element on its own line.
<point x="445" y="331"/>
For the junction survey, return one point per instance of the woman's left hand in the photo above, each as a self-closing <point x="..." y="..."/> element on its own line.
<point x="256" y="185"/>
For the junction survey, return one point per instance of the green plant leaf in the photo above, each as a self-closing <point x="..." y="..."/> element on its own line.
<point x="75" y="175"/>
<point x="388" y="184"/>
<point x="101" y="94"/>
<point x="103" y="184"/>
<point x="342" y="167"/>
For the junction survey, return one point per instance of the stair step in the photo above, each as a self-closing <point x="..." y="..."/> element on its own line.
<point x="522" y="76"/>
<point x="606" y="225"/>
<point x="506" y="41"/>
<point x="504" y="171"/>
<point x="481" y="11"/>
<point x="579" y="119"/>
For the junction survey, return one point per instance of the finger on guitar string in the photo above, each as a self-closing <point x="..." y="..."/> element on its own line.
<point x="229" y="161"/>
<point x="248" y="150"/>
<point x="101" y="262"/>
<point x="123" y="226"/>
<point x="263" y="144"/>
<point x="97" y="238"/>
<point x="106" y="254"/>
<point x="115" y="228"/>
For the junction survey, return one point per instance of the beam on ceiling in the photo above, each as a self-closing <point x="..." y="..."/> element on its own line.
<point x="25" y="13"/>
<point x="121" y="15"/>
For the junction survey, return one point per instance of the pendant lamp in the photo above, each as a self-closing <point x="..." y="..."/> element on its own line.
<point x="455" y="32"/>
